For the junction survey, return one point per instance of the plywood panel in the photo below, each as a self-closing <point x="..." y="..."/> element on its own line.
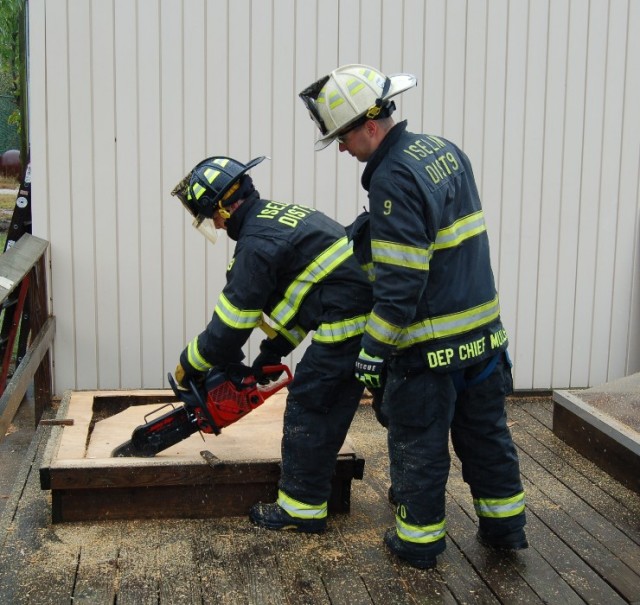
<point x="531" y="192"/>
<point x="104" y="193"/>
<point x="151" y="194"/>
<point x="128" y="150"/>
<point x="550" y="199"/>
<point x="127" y="96"/>
<point x="571" y="193"/>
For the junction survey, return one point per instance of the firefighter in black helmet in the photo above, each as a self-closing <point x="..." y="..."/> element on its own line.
<point x="435" y="325"/>
<point x="295" y="265"/>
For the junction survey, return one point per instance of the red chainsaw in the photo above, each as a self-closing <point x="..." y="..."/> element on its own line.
<point x="225" y="396"/>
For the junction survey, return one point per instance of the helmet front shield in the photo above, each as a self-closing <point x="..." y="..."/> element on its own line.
<point x="181" y="191"/>
<point x="309" y="97"/>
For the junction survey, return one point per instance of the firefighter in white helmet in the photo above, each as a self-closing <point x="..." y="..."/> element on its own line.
<point x="435" y="326"/>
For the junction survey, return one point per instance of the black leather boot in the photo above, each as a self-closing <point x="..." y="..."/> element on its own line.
<point x="273" y="516"/>
<point x="516" y="540"/>
<point x="411" y="553"/>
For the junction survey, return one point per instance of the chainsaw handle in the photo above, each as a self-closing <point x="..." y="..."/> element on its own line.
<point x="275" y="386"/>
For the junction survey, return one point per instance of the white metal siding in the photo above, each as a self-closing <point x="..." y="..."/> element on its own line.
<point x="127" y="95"/>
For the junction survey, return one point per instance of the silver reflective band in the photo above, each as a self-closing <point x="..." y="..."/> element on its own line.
<point x="207" y="227"/>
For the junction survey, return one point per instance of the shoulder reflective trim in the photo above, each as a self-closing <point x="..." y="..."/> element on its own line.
<point x="194" y="358"/>
<point x="300" y="510"/>
<point x="339" y="331"/>
<point x="382" y="330"/>
<point x="450" y="325"/>
<point x="498" y="508"/>
<point x="237" y="318"/>
<point x="403" y="256"/>
<point x="314" y="273"/>
<point x="462" y="229"/>
<point x="420" y="534"/>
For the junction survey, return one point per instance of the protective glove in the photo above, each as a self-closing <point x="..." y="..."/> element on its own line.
<point x="183" y="377"/>
<point x="266" y="358"/>
<point x="369" y="370"/>
<point x="180" y="375"/>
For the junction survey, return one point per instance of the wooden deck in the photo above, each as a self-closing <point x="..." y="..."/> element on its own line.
<point x="583" y="527"/>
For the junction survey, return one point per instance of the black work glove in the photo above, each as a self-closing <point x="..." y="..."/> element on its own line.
<point x="266" y="358"/>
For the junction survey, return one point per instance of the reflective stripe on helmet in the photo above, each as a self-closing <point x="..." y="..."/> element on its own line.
<point x="313" y="273"/>
<point x="499" y="508"/>
<point x="420" y="534"/>
<point x="300" y="510"/>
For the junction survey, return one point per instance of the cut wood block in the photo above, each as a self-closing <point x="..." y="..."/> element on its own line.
<point x="87" y="484"/>
<point x="603" y="424"/>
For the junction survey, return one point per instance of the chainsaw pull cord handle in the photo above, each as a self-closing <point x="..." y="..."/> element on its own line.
<point x="274" y="387"/>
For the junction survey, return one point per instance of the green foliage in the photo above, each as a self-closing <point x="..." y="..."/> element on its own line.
<point x="11" y="61"/>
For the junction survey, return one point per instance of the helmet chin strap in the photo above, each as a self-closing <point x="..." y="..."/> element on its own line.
<point x="222" y="210"/>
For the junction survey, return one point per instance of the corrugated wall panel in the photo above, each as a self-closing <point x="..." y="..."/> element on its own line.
<point x="127" y="95"/>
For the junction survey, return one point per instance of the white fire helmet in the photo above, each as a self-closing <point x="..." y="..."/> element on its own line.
<point x="351" y="94"/>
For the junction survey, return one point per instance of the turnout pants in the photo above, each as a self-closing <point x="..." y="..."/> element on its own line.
<point x="322" y="401"/>
<point x="422" y="406"/>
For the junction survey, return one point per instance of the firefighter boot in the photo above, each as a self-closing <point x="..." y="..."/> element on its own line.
<point x="273" y="516"/>
<point x="516" y="540"/>
<point x="411" y="553"/>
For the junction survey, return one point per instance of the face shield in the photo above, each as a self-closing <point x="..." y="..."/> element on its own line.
<point x="207" y="227"/>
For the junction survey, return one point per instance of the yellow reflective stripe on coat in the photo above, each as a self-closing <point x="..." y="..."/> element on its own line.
<point x="420" y="534"/>
<point x="313" y="273"/>
<point x="432" y="327"/>
<point x="400" y="255"/>
<point x="382" y="330"/>
<point x="294" y="335"/>
<point x="462" y="229"/>
<point x="339" y="331"/>
<point x="300" y="510"/>
<point x="450" y="325"/>
<point x="235" y="317"/>
<point x="197" y="361"/>
<point x="498" y="508"/>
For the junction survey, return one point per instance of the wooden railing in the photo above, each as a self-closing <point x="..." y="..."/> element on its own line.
<point x="23" y="280"/>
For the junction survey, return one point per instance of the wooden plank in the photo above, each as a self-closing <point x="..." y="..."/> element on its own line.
<point x="137" y="580"/>
<point x="22" y="377"/>
<point x="582" y="529"/>
<point x="581" y="476"/>
<point x="227" y="560"/>
<point x="18" y="261"/>
<point x="96" y="575"/>
<point x="216" y="555"/>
